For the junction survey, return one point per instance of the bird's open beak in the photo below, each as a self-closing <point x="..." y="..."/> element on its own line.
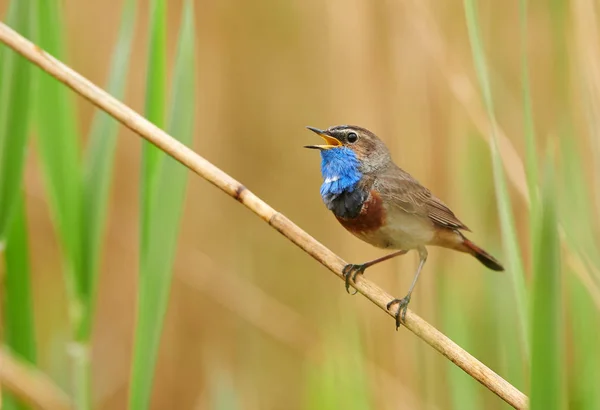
<point x="331" y="142"/>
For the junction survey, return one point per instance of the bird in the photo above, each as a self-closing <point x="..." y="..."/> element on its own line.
<point x="383" y="205"/>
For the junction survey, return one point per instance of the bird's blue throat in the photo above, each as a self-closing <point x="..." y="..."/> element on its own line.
<point x="341" y="175"/>
<point x="339" y="167"/>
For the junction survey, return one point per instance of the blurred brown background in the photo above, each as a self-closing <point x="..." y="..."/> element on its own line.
<point x="246" y="305"/>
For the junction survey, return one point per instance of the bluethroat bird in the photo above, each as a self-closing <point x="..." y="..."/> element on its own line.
<point x="384" y="205"/>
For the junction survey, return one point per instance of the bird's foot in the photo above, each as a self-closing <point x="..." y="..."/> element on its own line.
<point x="402" y="306"/>
<point x="350" y="272"/>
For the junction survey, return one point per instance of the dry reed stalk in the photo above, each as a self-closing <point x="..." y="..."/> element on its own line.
<point x="220" y="179"/>
<point x="30" y="385"/>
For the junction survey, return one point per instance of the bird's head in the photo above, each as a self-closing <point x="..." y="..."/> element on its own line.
<point x="354" y="143"/>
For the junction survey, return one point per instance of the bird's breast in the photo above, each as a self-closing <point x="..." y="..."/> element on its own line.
<point x="386" y="226"/>
<point x="369" y="219"/>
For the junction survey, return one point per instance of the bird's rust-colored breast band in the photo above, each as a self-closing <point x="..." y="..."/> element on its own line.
<point x="371" y="217"/>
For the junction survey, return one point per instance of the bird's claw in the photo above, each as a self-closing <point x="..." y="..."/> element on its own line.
<point x="402" y="306"/>
<point x="350" y="272"/>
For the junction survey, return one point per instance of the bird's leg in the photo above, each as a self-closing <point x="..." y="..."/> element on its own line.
<point x="403" y="303"/>
<point x="350" y="271"/>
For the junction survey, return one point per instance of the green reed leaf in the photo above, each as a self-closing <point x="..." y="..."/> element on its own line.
<point x="547" y="362"/>
<point x="59" y="150"/>
<point x="16" y="78"/>
<point x="58" y="144"/>
<point x="163" y="222"/>
<point x="585" y="321"/>
<point x="99" y="163"/>
<point x="19" y="326"/>
<point x="155" y="109"/>
<point x="223" y="395"/>
<point x="507" y="221"/>
<point x="464" y="394"/>
<point x="338" y="381"/>
<point x="576" y="212"/>
<point x="529" y="127"/>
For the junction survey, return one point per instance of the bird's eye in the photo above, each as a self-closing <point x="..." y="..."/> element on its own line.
<point x="352" y="137"/>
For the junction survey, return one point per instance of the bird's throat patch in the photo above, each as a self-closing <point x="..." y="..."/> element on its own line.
<point x="340" y="171"/>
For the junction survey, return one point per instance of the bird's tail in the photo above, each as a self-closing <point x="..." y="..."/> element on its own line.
<point x="481" y="255"/>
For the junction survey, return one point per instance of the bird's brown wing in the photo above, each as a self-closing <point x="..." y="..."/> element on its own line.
<point x="399" y="188"/>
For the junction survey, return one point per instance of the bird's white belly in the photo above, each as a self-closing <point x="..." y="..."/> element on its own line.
<point x="400" y="231"/>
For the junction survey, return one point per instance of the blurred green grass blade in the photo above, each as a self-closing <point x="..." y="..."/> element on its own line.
<point x="575" y="209"/>
<point x="559" y="31"/>
<point x="509" y="233"/>
<point x="156" y="80"/>
<point x="586" y="339"/>
<point x="18" y="308"/>
<point x="575" y="215"/>
<point x="529" y="128"/>
<point x="59" y="150"/>
<point x="58" y="145"/>
<point x="155" y="277"/>
<point x="99" y="161"/>
<point x="508" y="348"/>
<point x="19" y="329"/>
<point x="531" y="164"/>
<point x="546" y="362"/>
<point x="503" y="352"/>
<point x="464" y="393"/>
<point x="223" y="393"/>
<point x="16" y="77"/>
<point x="339" y="381"/>
<point x="155" y="109"/>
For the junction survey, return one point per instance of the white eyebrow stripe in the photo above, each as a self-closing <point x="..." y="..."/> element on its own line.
<point x="331" y="179"/>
